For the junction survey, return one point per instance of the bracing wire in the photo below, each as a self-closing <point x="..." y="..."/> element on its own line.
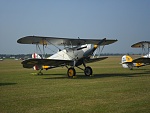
<point x="94" y="53"/>
<point x="59" y="48"/>
<point x="102" y="49"/>
<point x="99" y="51"/>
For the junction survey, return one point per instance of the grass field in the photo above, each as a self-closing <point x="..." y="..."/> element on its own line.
<point x="112" y="89"/>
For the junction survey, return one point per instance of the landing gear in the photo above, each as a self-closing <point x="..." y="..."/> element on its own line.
<point x="130" y="67"/>
<point x="71" y="72"/>
<point x="88" y="71"/>
<point x="40" y="73"/>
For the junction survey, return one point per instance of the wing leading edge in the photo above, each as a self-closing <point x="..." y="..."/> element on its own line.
<point x="61" y="41"/>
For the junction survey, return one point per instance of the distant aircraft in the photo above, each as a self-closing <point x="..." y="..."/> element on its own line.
<point x="1" y="59"/>
<point x="76" y="52"/>
<point x="128" y="62"/>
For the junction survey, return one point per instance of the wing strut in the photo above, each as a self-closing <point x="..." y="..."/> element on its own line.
<point x="98" y="51"/>
<point x="148" y="50"/>
<point x="43" y="51"/>
<point x="38" y="48"/>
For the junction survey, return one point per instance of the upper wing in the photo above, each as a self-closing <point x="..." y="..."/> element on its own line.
<point x="50" y="62"/>
<point x="141" y="60"/>
<point x="60" y="41"/>
<point x="141" y="44"/>
<point x="95" y="59"/>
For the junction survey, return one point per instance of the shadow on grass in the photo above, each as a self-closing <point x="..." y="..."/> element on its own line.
<point x="102" y="75"/>
<point x="119" y="74"/>
<point x="148" y="72"/>
<point x="5" y="84"/>
<point x="58" y="77"/>
<point x="54" y="76"/>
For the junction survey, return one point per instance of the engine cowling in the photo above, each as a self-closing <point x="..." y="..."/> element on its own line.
<point x="126" y="62"/>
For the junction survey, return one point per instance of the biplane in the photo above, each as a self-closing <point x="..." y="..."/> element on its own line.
<point x="128" y="62"/>
<point x="75" y="52"/>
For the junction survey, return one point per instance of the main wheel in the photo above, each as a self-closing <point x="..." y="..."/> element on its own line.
<point x="88" y="71"/>
<point x="71" y="72"/>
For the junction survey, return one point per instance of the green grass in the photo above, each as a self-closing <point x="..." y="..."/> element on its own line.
<point x="112" y="89"/>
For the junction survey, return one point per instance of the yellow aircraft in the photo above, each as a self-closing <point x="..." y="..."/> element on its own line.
<point x="128" y="62"/>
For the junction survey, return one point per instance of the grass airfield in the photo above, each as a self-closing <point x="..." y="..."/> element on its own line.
<point x="112" y="89"/>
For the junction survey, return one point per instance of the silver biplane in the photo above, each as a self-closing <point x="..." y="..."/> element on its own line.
<point x="128" y="62"/>
<point x="76" y="52"/>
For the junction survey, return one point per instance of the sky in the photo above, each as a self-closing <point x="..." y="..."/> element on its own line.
<point x="128" y="21"/>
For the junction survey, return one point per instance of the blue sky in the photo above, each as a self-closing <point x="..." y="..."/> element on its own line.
<point x="125" y="20"/>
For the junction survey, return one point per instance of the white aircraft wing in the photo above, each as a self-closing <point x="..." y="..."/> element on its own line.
<point x="141" y="44"/>
<point x="61" y="41"/>
<point x="49" y="62"/>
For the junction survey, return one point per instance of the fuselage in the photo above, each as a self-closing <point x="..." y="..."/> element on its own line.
<point x="147" y="56"/>
<point x="74" y="53"/>
<point x="70" y="53"/>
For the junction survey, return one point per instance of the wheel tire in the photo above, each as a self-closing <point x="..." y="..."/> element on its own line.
<point x="71" y="72"/>
<point x="88" y="71"/>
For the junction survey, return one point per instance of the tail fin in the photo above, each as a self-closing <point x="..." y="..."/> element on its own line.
<point x="127" y="62"/>
<point x="35" y="55"/>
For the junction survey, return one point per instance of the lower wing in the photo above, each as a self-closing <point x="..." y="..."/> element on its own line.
<point x="30" y="63"/>
<point x="94" y="59"/>
<point x="48" y="62"/>
<point x="142" y="60"/>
